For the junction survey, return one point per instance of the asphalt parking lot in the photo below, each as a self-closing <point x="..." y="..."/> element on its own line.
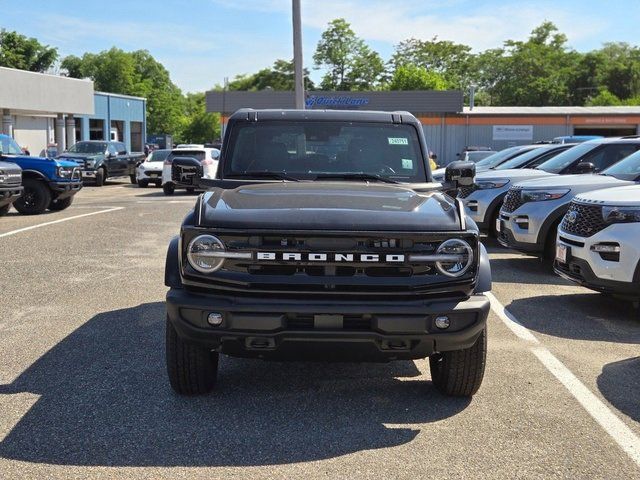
<point x="83" y="390"/>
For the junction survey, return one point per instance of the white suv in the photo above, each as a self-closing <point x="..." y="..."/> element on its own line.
<point x="597" y="243"/>
<point x="208" y="158"/>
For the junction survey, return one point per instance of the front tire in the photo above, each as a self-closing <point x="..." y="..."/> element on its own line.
<point x="133" y="179"/>
<point x="58" y="205"/>
<point x="35" y="198"/>
<point x="459" y="373"/>
<point x="143" y="183"/>
<point x="5" y="209"/>
<point x="192" y="369"/>
<point x="101" y="176"/>
<point x="168" y="188"/>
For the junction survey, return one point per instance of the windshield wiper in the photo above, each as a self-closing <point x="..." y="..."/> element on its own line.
<point x="356" y="176"/>
<point x="262" y="174"/>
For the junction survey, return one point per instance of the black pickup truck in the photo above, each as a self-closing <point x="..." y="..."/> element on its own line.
<point x="324" y="237"/>
<point x="100" y="160"/>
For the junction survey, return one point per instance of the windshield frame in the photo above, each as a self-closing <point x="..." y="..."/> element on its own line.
<point x="580" y="149"/>
<point x="96" y="152"/>
<point x="529" y="156"/>
<point x="421" y="173"/>
<point x="499" y="157"/>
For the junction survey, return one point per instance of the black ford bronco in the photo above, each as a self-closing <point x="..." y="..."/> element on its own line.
<point x="324" y="237"/>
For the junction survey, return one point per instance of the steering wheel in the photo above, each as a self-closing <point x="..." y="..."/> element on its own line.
<point x="387" y="169"/>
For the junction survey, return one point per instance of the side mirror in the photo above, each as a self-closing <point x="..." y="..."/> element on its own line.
<point x="215" y="155"/>
<point x="460" y="174"/>
<point x="186" y="171"/>
<point x="585" y="167"/>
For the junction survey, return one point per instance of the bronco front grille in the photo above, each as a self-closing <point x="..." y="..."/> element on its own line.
<point x="583" y="220"/>
<point x="513" y="200"/>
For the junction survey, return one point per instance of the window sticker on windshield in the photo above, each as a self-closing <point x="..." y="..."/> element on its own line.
<point x="398" y="141"/>
<point x="407" y="164"/>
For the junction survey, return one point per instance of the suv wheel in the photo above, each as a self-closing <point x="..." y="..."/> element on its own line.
<point x="133" y="179"/>
<point x="143" y="183"/>
<point x="35" y="198"/>
<point x="168" y="188"/>
<point x="192" y="369"/>
<point x="100" y="177"/>
<point x="550" y="244"/>
<point x="459" y="373"/>
<point x="4" y="209"/>
<point x="57" y="205"/>
<point x="493" y="232"/>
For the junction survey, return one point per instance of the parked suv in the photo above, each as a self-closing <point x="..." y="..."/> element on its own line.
<point x="10" y="185"/>
<point x="597" y="244"/>
<point x="484" y="198"/>
<point x="297" y="254"/>
<point x="533" y="209"/>
<point x="208" y="158"/>
<point x="150" y="171"/>
<point x="100" y="160"/>
<point x="48" y="184"/>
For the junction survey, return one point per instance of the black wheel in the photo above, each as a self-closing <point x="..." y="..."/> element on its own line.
<point x="143" y="183"/>
<point x="550" y="244"/>
<point x="459" y="373"/>
<point x="35" y="198"/>
<point x="168" y="188"/>
<point x="191" y="190"/>
<point x="101" y="176"/>
<point x="493" y="232"/>
<point x="4" y="209"/>
<point x="192" y="369"/>
<point x="133" y="179"/>
<point x="57" y="205"/>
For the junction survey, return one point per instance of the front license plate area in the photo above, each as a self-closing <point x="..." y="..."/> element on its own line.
<point x="562" y="252"/>
<point x="330" y="322"/>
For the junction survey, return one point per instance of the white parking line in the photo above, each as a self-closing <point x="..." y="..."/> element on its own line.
<point x="599" y="411"/>
<point x="32" y="227"/>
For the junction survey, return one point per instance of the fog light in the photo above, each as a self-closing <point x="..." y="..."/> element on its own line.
<point x="214" y="319"/>
<point x="442" y="322"/>
<point x="604" y="248"/>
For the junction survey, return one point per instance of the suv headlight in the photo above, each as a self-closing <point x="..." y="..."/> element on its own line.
<point x="205" y="253"/>
<point x="65" y="172"/>
<point x="3" y="176"/>
<point x="542" y="195"/>
<point x="486" y="185"/>
<point x="621" y="214"/>
<point x="457" y="257"/>
<point x="90" y="163"/>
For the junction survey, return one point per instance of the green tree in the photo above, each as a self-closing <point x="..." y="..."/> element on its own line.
<point x="279" y="77"/>
<point x="350" y="64"/>
<point x="413" y="77"/>
<point x="452" y="61"/>
<point x="200" y="126"/>
<point x="18" y="51"/>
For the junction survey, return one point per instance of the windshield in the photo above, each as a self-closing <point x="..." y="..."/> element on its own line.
<point x="306" y="150"/>
<point x="88" y="147"/>
<point x="8" y="146"/>
<point x="627" y="169"/>
<point x="497" y="158"/>
<point x="566" y="158"/>
<point x="526" y="157"/>
<point x="158" y="156"/>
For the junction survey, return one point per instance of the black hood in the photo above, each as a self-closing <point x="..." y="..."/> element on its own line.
<point x="350" y="206"/>
<point x="79" y="156"/>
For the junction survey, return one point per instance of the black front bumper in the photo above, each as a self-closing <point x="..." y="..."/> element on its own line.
<point x="9" y="193"/>
<point x="579" y="271"/>
<point x="326" y="329"/>
<point x="65" y="189"/>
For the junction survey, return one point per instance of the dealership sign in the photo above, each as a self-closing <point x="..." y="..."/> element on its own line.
<point x="335" y="101"/>
<point x="513" y="132"/>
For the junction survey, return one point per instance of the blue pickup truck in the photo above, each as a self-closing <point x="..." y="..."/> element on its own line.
<point x="48" y="184"/>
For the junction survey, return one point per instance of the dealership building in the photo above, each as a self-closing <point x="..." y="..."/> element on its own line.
<point x="448" y="125"/>
<point x="41" y="111"/>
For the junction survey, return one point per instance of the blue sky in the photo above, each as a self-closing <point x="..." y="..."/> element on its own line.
<point x="203" y="41"/>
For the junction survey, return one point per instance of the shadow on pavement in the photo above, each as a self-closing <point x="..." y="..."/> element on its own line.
<point x="525" y="270"/>
<point x="590" y="316"/>
<point x="105" y="400"/>
<point x="619" y="384"/>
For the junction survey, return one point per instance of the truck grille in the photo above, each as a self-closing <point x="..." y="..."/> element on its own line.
<point x="356" y="276"/>
<point x="513" y="200"/>
<point x="583" y="220"/>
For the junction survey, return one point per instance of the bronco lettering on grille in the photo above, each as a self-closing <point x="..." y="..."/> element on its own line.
<point x="330" y="257"/>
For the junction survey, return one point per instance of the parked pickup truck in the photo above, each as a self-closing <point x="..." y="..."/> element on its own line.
<point x="100" y="160"/>
<point x="48" y="183"/>
<point x="323" y="236"/>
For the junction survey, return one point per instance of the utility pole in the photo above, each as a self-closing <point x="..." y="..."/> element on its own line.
<point x="297" y="54"/>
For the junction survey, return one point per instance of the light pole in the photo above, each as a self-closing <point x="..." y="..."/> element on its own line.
<point x="297" y="54"/>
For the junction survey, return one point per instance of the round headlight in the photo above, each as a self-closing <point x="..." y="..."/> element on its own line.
<point x="204" y="252"/>
<point x="461" y="257"/>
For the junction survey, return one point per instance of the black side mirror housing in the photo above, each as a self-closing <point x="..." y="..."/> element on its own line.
<point x="186" y="171"/>
<point x="460" y="174"/>
<point x="585" y="167"/>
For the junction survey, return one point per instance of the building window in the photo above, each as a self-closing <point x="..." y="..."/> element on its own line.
<point x="96" y="129"/>
<point x="136" y="137"/>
